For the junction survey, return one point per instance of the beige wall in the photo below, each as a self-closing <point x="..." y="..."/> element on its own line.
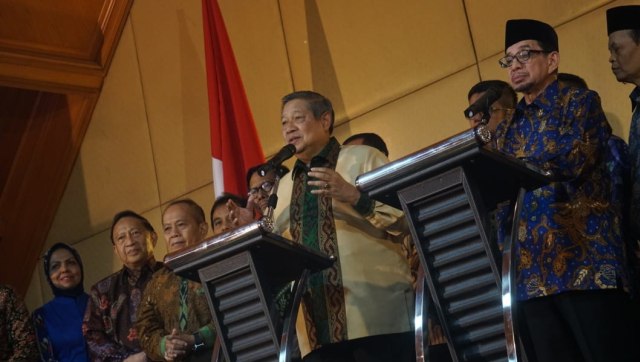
<point x="398" y="68"/>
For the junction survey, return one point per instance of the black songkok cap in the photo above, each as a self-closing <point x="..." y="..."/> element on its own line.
<point x="623" y="18"/>
<point x="527" y="29"/>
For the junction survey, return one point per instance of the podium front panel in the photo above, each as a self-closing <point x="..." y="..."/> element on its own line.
<point x="459" y="262"/>
<point x="447" y="191"/>
<point x="241" y="271"/>
<point x="241" y="309"/>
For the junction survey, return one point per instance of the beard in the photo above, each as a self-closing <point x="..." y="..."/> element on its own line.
<point x="523" y="87"/>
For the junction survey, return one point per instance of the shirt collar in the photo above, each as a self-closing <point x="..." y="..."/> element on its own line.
<point x="545" y="100"/>
<point x="635" y="98"/>
<point x="319" y="160"/>
<point x="150" y="266"/>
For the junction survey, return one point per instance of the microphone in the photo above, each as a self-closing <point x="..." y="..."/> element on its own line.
<point x="284" y="154"/>
<point x="483" y="104"/>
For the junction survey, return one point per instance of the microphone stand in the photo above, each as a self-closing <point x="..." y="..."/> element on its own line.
<point x="267" y="221"/>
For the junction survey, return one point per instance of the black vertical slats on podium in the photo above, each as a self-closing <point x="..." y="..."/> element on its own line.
<point x="241" y="308"/>
<point x="461" y="275"/>
<point x="446" y="191"/>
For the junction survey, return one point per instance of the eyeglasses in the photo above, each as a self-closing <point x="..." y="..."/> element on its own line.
<point x="265" y="187"/>
<point x="522" y="56"/>
<point x="506" y="110"/>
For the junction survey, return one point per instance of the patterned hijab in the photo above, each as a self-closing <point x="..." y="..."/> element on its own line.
<point x="73" y="292"/>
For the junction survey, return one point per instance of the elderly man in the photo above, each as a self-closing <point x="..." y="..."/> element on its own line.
<point x="623" y="27"/>
<point x="569" y="249"/>
<point x="109" y="321"/>
<point x="360" y="309"/>
<point x="174" y="321"/>
<point x="502" y="109"/>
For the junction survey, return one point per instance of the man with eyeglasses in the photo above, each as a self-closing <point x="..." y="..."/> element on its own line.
<point x="260" y="187"/>
<point x="569" y="255"/>
<point x="500" y="110"/>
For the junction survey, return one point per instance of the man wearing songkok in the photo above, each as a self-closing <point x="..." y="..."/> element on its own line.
<point x="569" y="252"/>
<point x="360" y="309"/>
<point x="623" y="27"/>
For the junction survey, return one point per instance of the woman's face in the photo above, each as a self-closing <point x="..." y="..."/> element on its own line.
<point x="64" y="269"/>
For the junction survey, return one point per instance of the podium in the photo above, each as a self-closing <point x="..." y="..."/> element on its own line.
<point x="241" y="271"/>
<point x="447" y="191"/>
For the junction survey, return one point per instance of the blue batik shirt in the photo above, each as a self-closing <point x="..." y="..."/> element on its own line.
<point x="569" y="235"/>
<point x="634" y="155"/>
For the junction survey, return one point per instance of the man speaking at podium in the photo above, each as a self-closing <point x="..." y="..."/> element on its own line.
<point x="361" y="308"/>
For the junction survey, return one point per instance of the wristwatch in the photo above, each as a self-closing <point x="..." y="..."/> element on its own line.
<point x="198" y="342"/>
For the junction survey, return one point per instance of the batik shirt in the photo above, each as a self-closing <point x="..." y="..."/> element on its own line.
<point x="569" y="234"/>
<point x="17" y="339"/>
<point x="367" y="291"/>
<point x="634" y="155"/>
<point x="108" y="324"/>
<point x="171" y="301"/>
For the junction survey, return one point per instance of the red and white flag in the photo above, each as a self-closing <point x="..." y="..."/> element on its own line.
<point x="235" y="145"/>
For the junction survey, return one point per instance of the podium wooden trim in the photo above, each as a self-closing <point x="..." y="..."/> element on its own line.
<point x="446" y="191"/>
<point x="242" y="271"/>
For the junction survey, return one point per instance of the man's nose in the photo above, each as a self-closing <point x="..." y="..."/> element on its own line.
<point x="173" y="231"/>
<point x="515" y="64"/>
<point x="128" y="241"/>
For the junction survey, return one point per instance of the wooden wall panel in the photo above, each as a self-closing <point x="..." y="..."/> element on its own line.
<point x="487" y="18"/>
<point x="17" y="105"/>
<point x="37" y="178"/>
<point x="259" y="46"/>
<point x="419" y="119"/>
<point x="53" y="58"/>
<point x="170" y="51"/>
<point x="115" y="169"/>
<point x="364" y="54"/>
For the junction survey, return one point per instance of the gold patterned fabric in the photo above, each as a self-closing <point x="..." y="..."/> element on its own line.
<point x="161" y="311"/>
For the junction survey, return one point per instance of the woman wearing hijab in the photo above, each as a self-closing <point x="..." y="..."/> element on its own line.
<point x="58" y="323"/>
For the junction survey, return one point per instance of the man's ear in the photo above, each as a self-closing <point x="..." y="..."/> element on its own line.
<point x="204" y="229"/>
<point x="154" y="238"/>
<point x="553" y="60"/>
<point x="325" y="118"/>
